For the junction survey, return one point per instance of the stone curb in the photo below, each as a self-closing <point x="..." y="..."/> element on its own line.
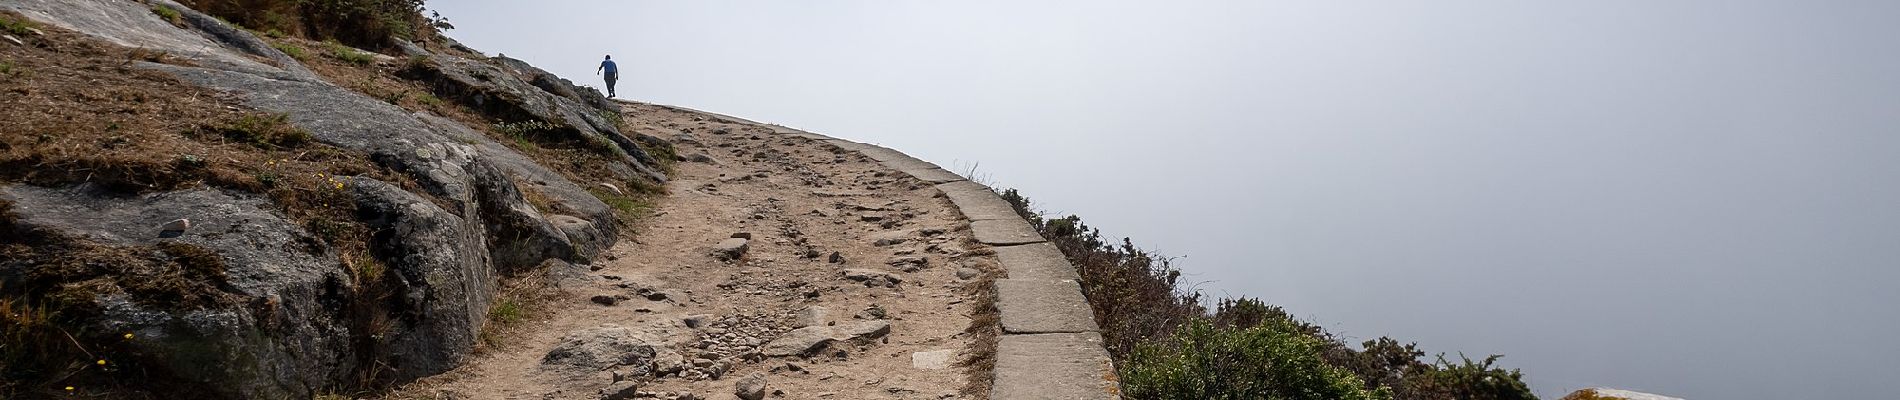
<point x="1050" y="347"/>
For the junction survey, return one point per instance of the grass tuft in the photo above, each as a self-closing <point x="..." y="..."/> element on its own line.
<point x="169" y="14"/>
<point x="349" y="55"/>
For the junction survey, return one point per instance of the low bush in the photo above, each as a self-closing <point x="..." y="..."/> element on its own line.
<point x="1272" y="360"/>
<point x="1169" y="346"/>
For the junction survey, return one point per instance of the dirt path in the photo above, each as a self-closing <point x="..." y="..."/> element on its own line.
<point x="801" y="201"/>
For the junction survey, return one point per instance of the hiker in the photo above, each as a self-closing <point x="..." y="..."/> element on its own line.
<point x="613" y="73"/>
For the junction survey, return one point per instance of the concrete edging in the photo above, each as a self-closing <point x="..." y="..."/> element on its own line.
<point x="1051" y="347"/>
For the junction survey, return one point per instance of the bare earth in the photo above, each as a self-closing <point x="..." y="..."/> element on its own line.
<point x="801" y="201"/>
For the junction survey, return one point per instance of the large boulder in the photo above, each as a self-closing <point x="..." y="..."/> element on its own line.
<point x="258" y="314"/>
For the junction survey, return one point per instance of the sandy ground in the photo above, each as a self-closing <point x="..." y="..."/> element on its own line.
<point x="801" y="201"/>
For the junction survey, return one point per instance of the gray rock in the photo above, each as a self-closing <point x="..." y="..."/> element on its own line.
<point x="836" y="258"/>
<point x="668" y="361"/>
<point x="696" y="321"/>
<point x="620" y="390"/>
<point x="967" y="273"/>
<point x="798" y="342"/>
<point x="860" y="331"/>
<point x="600" y="348"/>
<point x="446" y="281"/>
<point x="910" y="264"/>
<point x="730" y="249"/>
<point x="277" y="338"/>
<point x="751" y="387"/>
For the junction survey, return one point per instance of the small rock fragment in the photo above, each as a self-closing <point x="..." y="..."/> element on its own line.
<point x="967" y="273"/>
<point x="751" y="387"/>
<point x="604" y="300"/>
<point x="697" y="321"/>
<point x="730" y="249"/>
<point x="621" y="390"/>
<point x="837" y="258"/>
<point x="177" y="225"/>
<point x="611" y="188"/>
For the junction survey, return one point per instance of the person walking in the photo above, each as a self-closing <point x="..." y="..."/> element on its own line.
<point x="611" y="73"/>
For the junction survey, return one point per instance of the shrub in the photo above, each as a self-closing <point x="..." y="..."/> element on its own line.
<point x="361" y="23"/>
<point x="1272" y="360"/>
<point x="1170" y="346"/>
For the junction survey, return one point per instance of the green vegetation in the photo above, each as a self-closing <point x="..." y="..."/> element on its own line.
<point x="349" y="55"/>
<point x="1272" y="360"/>
<point x="16" y="27"/>
<point x="361" y="23"/>
<point x="630" y="207"/>
<point x="292" y="50"/>
<point x="169" y="14"/>
<point x="1169" y="346"/>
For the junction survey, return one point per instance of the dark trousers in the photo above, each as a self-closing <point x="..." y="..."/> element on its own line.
<point x="610" y="83"/>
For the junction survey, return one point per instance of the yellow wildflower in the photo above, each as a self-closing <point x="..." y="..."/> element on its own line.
<point x="128" y="335"/>
<point x="102" y="361"/>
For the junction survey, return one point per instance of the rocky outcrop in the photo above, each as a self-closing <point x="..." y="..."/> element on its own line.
<point x="271" y="324"/>
<point x="1614" y="394"/>
<point x="289" y="322"/>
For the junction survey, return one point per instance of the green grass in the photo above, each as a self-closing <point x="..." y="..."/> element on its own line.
<point x="631" y="208"/>
<point x="349" y="55"/>
<point x="429" y="100"/>
<point x="367" y="267"/>
<point x="508" y="311"/>
<point x="169" y="14"/>
<point x="292" y="51"/>
<point x="17" y="27"/>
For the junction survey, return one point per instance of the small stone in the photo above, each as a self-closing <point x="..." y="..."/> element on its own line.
<point x="611" y="188"/>
<point x="794" y="367"/>
<point x="177" y="225"/>
<point x="935" y="359"/>
<point x="702" y="363"/>
<point x="697" y="321"/>
<point x="668" y="362"/>
<point x="837" y="258"/>
<point x="967" y="273"/>
<point x="871" y="217"/>
<point x="751" y="387"/>
<point x="910" y="264"/>
<point x="604" y="300"/>
<point x="872" y="277"/>
<point x="798" y="342"/>
<point x="621" y="390"/>
<point x="730" y="249"/>
<point x="743" y="235"/>
<point x="15" y="40"/>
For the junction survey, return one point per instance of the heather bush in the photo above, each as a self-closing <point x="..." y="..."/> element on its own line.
<point x="1169" y="346"/>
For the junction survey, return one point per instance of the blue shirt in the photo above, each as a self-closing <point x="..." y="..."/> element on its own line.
<point x="610" y="67"/>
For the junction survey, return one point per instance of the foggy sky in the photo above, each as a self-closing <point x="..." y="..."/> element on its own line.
<point x="1693" y="198"/>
